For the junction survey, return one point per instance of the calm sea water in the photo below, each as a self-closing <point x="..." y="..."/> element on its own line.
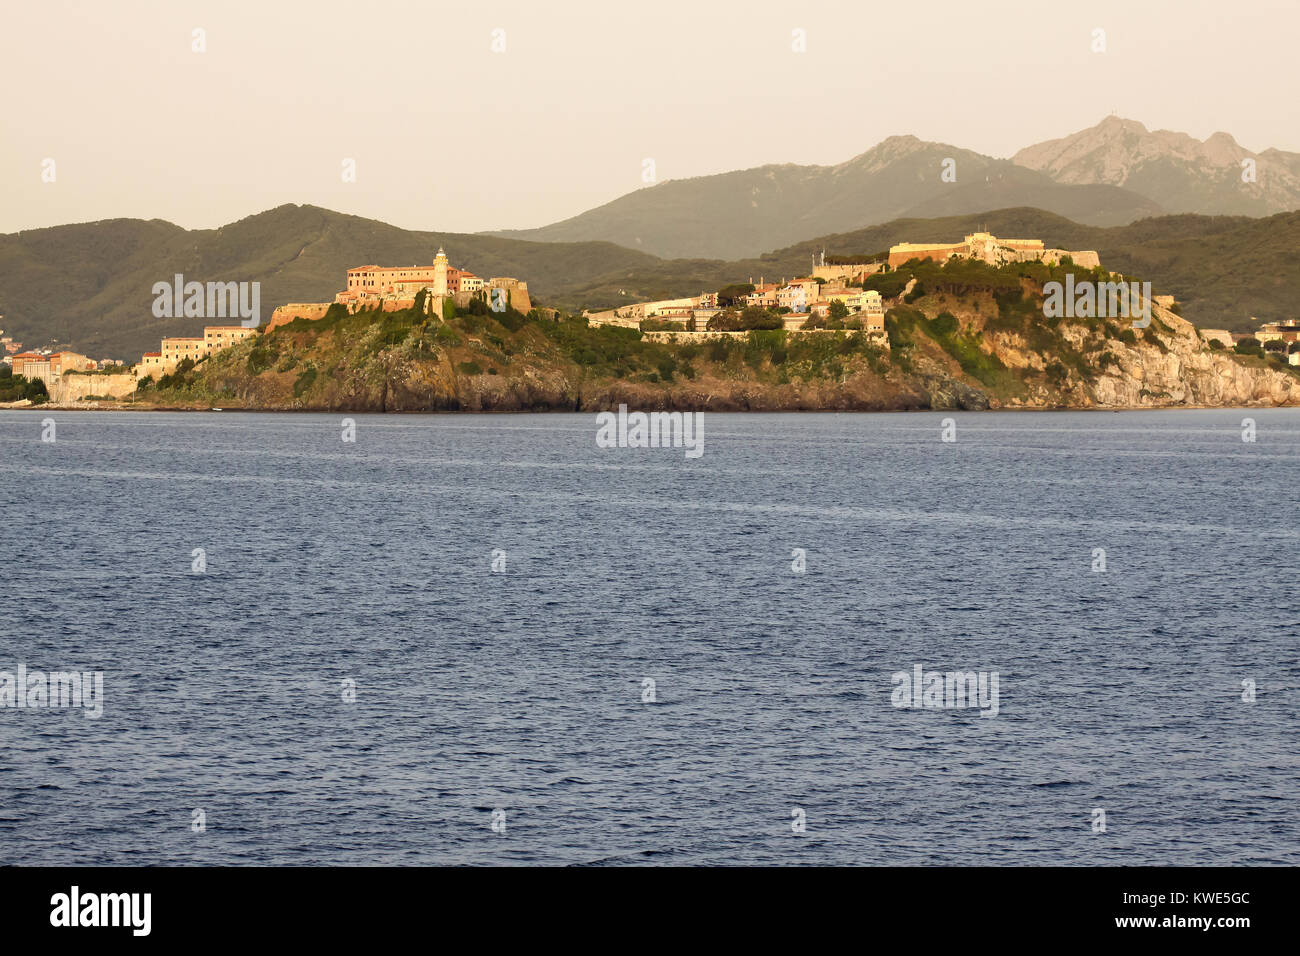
<point x="330" y="563"/>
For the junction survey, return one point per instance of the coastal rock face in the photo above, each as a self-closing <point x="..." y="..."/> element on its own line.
<point x="1096" y="363"/>
<point x="1188" y="374"/>
<point x="1181" y="370"/>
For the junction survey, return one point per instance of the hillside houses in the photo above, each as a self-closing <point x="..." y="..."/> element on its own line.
<point x="805" y="303"/>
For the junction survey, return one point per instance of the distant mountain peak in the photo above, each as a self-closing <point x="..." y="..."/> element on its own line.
<point x="889" y="150"/>
<point x="1113" y="122"/>
<point x="1178" y="171"/>
<point x="905" y="140"/>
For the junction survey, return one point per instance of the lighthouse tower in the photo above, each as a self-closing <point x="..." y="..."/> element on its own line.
<point x="440" y="273"/>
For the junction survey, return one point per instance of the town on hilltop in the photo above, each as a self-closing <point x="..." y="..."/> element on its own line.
<point x="833" y="297"/>
<point x="829" y="298"/>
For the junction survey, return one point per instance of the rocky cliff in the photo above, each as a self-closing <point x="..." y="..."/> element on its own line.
<point x="1169" y="364"/>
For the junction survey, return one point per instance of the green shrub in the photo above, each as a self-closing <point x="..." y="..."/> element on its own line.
<point x="306" y="378"/>
<point x="511" y="318"/>
<point x="662" y="325"/>
<point x="260" y="359"/>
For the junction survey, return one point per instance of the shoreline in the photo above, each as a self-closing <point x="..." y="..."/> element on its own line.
<point x="48" y="407"/>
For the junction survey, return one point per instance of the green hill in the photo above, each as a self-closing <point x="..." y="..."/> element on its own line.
<point x="89" y="285"/>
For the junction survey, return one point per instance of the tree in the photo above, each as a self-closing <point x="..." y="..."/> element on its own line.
<point x="661" y="325"/>
<point x="888" y="284"/>
<point x="35" y="392"/>
<point x="839" y="310"/>
<point x="1274" y="345"/>
<point x="757" y="317"/>
<point x="733" y="294"/>
<point x="727" y="320"/>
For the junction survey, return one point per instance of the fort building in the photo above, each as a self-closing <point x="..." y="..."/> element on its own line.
<point x="1287" y="331"/>
<point x="176" y="349"/>
<point x="988" y="248"/>
<point x="48" y="368"/>
<point x="217" y="337"/>
<point x="392" y="288"/>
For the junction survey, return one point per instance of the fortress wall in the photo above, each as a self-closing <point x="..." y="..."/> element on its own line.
<point x="298" y="310"/>
<point x="1081" y="257"/>
<point x="73" y="388"/>
<point x="938" y="253"/>
<point x="519" y="299"/>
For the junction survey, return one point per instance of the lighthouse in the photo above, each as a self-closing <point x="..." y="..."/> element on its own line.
<point x="440" y="273"/>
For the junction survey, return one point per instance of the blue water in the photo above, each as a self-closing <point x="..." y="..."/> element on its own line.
<point x="522" y="690"/>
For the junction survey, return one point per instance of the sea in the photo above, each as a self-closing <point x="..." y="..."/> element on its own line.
<point x="486" y="640"/>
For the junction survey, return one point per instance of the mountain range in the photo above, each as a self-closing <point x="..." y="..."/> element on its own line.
<point x="1111" y="174"/>
<point x="1179" y="172"/>
<point x="743" y="213"/>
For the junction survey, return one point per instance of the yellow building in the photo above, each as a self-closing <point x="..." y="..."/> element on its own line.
<point x="176" y="350"/>
<point x="218" y="337"/>
<point x="179" y="348"/>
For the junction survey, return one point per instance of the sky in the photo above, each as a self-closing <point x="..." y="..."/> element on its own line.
<point x="468" y="117"/>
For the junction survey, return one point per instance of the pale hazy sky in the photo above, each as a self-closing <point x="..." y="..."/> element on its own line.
<point x="449" y="135"/>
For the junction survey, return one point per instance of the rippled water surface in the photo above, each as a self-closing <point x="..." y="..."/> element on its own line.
<point x="523" y="691"/>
